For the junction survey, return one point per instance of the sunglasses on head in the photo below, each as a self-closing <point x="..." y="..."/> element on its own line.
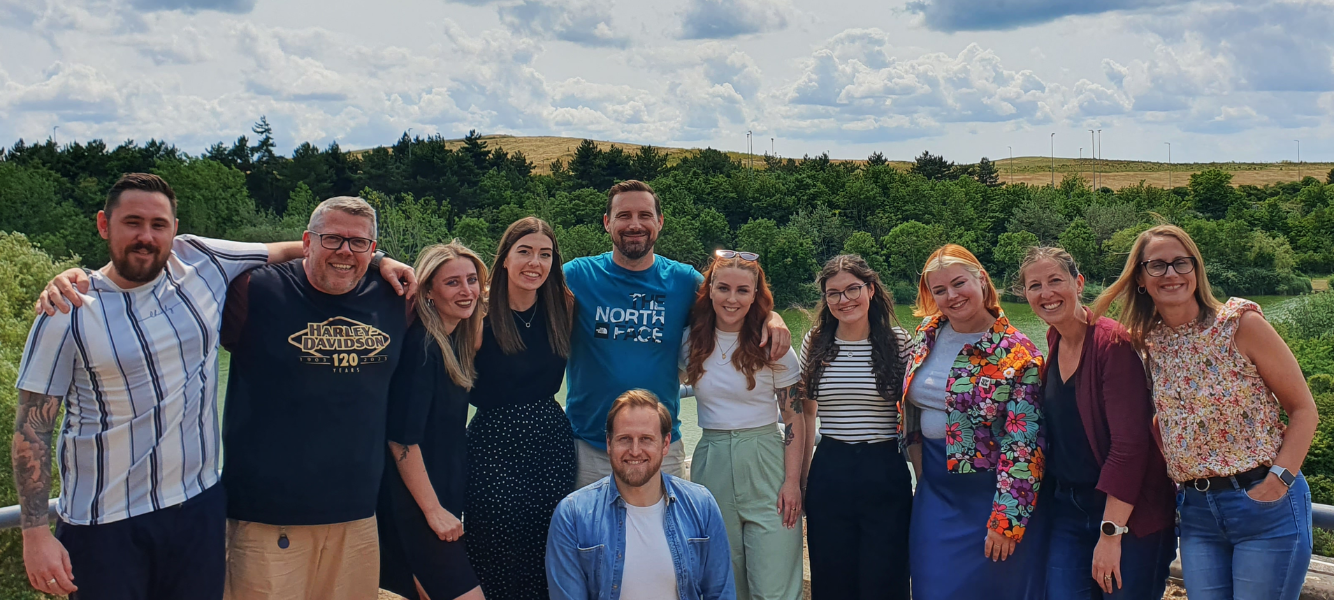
<point x="750" y="256"/>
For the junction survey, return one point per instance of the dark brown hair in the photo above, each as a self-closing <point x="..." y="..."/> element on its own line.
<point x="823" y="346"/>
<point x="145" y="182"/>
<point x="633" y="185"/>
<point x="554" y="295"/>
<point x="639" y="399"/>
<point x="749" y="357"/>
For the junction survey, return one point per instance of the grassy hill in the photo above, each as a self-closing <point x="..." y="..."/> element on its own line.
<point x="1115" y="174"/>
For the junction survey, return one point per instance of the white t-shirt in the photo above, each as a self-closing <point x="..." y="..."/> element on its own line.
<point x="649" y="573"/>
<point x="721" y="395"/>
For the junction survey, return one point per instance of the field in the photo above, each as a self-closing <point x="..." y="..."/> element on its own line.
<point x="1115" y="174"/>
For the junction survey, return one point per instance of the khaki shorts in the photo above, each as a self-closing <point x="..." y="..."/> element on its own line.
<point x="594" y="464"/>
<point x="321" y="562"/>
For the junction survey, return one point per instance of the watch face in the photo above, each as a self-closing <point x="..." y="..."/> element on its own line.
<point x="1108" y="528"/>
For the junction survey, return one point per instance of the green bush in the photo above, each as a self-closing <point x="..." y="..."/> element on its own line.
<point x="24" y="271"/>
<point x="1307" y="317"/>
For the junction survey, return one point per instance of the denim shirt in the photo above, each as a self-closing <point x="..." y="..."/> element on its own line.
<point x="586" y="543"/>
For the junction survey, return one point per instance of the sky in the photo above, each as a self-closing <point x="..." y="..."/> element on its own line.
<point x="1219" y="80"/>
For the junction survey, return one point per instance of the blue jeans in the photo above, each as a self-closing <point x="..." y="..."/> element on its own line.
<point x="1235" y="548"/>
<point x="1075" y="531"/>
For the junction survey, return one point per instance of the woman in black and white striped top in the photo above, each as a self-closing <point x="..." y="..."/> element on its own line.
<point x="858" y="489"/>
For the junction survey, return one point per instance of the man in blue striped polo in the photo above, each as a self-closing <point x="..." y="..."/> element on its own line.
<point x="135" y="363"/>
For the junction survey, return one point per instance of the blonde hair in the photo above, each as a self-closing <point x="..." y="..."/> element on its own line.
<point x="1037" y="254"/>
<point x="948" y="256"/>
<point x="1139" y="315"/>
<point x="460" y="348"/>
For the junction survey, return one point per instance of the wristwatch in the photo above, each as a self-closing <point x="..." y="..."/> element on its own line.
<point x="376" y="258"/>
<point x="1112" y="529"/>
<point x="1284" y="475"/>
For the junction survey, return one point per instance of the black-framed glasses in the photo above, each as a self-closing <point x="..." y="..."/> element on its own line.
<point x="852" y="292"/>
<point x="1157" y="268"/>
<point x="333" y="241"/>
<point x="750" y="256"/>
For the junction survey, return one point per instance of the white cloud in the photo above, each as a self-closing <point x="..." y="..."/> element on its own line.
<point x="586" y="22"/>
<point x="74" y="91"/>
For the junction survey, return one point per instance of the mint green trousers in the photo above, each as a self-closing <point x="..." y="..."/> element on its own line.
<point x="743" y="469"/>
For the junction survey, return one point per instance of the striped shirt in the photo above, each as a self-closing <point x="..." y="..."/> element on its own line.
<point x="851" y="408"/>
<point x="137" y="370"/>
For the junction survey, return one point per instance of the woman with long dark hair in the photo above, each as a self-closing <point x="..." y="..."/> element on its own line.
<point x="1222" y="379"/>
<point x="752" y="470"/>
<point x="422" y="493"/>
<point x="970" y="423"/>
<point x="520" y="446"/>
<point x="1110" y="501"/>
<point x="857" y="487"/>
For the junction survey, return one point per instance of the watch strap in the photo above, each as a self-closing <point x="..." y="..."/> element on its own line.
<point x="376" y="258"/>
<point x="1117" y="529"/>
<point x="1284" y="475"/>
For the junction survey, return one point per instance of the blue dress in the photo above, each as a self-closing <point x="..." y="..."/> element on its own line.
<point x="948" y="535"/>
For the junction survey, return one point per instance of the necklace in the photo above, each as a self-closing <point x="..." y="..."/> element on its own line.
<point x="519" y="314"/>
<point x="732" y="347"/>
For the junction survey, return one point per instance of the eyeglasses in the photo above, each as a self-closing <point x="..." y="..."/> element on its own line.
<point x="750" y="256"/>
<point x="1158" y="268"/>
<point x="333" y="241"/>
<point x="852" y="292"/>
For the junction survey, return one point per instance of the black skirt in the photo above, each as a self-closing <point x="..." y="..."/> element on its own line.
<point x="521" y="463"/>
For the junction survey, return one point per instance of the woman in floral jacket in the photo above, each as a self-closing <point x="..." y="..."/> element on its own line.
<point x="970" y="425"/>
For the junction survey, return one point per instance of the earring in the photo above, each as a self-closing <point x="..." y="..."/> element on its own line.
<point x="1141" y="290"/>
<point x="430" y="303"/>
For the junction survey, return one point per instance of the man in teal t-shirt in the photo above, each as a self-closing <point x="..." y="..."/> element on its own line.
<point x="631" y="310"/>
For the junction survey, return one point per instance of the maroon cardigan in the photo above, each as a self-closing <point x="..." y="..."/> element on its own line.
<point x="1116" y="406"/>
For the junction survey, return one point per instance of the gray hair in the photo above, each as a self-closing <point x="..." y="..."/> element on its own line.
<point x="351" y="205"/>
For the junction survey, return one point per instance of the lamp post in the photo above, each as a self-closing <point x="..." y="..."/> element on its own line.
<point x="1053" y="159"/>
<point x="1299" y="160"/>
<point x="1093" y="145"/>
<point x="1097" y="151"/>
<point x="1011" y="163"/>
<point x="409" y="144"/>
<point x="1169" y="165"/>
<point x="56" y="129"/>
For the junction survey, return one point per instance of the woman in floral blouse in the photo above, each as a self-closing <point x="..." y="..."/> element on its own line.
<point x="970" y="426"/>
<point x="1221" y="378"/>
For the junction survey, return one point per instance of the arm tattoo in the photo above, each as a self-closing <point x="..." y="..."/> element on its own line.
<point x="788" y="435"/>
<point x="403" y="454"/>
<point x="31" y="454"/>
<point x="789" y="397"/>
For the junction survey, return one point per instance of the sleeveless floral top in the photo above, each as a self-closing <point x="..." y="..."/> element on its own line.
<point x="1217" y="416"/>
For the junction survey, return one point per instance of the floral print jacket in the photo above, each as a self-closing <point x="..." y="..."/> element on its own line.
<point x="994" y="405"/>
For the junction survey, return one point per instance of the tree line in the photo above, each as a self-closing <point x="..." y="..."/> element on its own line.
<point x="795" y="213"/>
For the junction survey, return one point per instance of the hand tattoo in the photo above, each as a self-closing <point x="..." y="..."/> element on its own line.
<point x="31" y="455"/>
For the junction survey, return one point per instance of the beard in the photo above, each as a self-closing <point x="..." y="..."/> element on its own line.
<point x="636" y="476"/>
<point x="635" y="250"/>
<point x="132" y="269"/>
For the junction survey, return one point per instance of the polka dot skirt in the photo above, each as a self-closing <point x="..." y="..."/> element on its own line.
<point x="521" y="463"/>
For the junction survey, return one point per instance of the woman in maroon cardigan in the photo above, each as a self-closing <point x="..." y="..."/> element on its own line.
<point x="1112" y="503"/>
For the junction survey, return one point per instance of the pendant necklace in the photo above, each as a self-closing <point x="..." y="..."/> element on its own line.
<point x="529" y="323"/>
<point x="730" y="348"/>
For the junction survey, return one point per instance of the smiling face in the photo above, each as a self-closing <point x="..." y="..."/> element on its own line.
<point x="454" y="291"/>
<point x="337" y="271"/>
<point x="957" y="292"/>
<point x="732" y="293"/>
<point x="633" y="223"/>
<point x="529" y="262"/>
<point x="848" y="311"/>
<point x="1172" y="288"/>
<point x="1052" y="292"/>
<point x="139" y="231"/>
<point x="636" y="446"/>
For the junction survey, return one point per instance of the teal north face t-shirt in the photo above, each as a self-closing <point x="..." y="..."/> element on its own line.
<point x="627" y="333"/>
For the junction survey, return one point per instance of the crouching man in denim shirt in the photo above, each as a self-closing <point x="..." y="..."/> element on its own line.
<point x="639" y="534"/>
